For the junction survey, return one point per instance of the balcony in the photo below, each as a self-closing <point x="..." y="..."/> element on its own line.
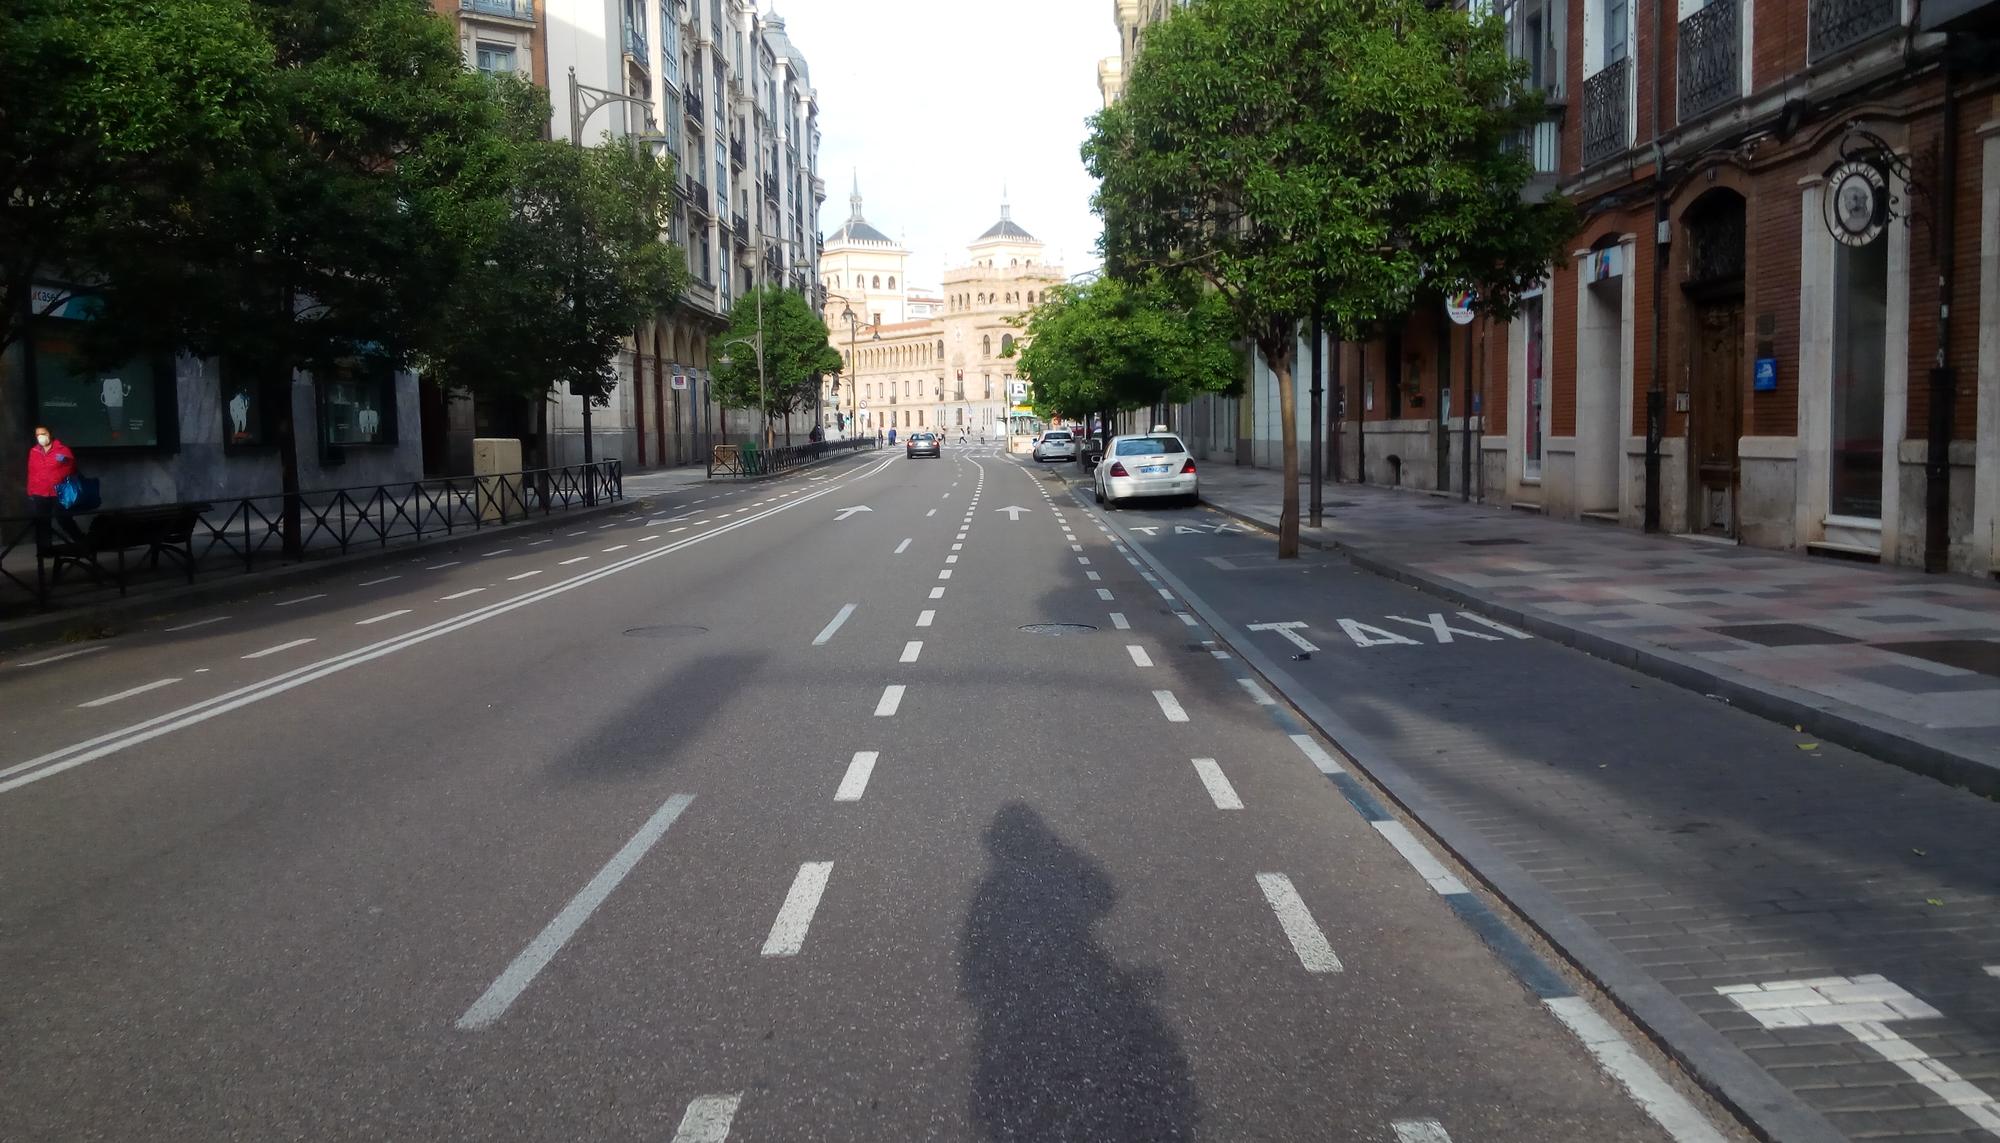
<point x="697" y="196"/>
<point x="505" y="9"/>
<point x="1711" y="58"/>
<point x="1607" y="130"/>
<point x="740" y="226"/>
<point x="1833" y="26"/>
<point x="1541" y="144"/>
<point x="635" y="46"/>
<point x="737" y="154"/>
<point x="693" y="105"/>
<point x="771" y="188"/>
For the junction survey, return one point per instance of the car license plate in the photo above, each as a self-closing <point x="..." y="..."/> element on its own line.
<point x="1151" y="468"/>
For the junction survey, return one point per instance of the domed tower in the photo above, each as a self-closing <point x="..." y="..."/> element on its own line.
<point x="863" y="269"/>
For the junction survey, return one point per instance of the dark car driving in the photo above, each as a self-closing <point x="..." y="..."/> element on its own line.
<point x="922" y="444"/>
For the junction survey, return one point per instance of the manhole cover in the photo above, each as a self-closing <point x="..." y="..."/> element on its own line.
<point x="1058" y="629"/>
<point x="665" y="631"/>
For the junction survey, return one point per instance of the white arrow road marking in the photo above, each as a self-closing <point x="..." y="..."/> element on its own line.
<point x="1288" y="629"/>
<point x="1013" y="512"/>
<point x="1307" y="940"/>
<point x="844" y="513"/>
<point x="708" y="1119"/>
<point x="1438" y="627"/>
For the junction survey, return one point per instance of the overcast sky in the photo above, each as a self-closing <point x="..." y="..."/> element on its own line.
<point x="936" y="104"/>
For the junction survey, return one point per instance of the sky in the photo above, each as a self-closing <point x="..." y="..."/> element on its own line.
<point x="937" y="104"/>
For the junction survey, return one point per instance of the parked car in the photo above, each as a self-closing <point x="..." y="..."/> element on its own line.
<point x="1056" y="444"/>
<point x="1155" y="464"/>
<point x="922" y="444"/>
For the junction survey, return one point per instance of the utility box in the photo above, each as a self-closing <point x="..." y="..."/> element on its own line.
<point x="496" y="464"/>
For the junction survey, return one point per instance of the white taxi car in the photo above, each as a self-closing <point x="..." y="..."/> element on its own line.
<point x="1155" y="464"/>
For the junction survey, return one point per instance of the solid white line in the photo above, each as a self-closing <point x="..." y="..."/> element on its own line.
<point x="840" y="617"/>
<point x="371" y="582"/>
<point x="1104" y="593"/>
<point x="301" y="599"/>
<point x="892" y="698"/>
<point x="1139" y="656"/>
<point x="904" y="546"/>
<point x="925" y="618"/>
<point x="1119" y="622"/>
<point x="788" y="932"/>
<point x="1170" y="706"/>
<point x="460" y="594"/>
<point x="107" y="700"/>
<point x="1318" y="756"/>
<point x="1297" y="921"/>
<point x="380" y="618"/>
<point x="572" y="560"/>
<point x="1419" y="1131"/>
<point x="1429" y="868"/>
<point x="524" y="575"/>
<point x="911" y="650"/>
<point x="1257" y="694"/>
<point x="1219" y="789"/>
<point x="708" y="1119"/>
<point x="937" y="593"/>
<point x="856" y="782"/>
<point x="189" y="626"/>
<point x="1668" y="1107"/>
<point x="507" y="988"/>
<point x="278" y="648"/>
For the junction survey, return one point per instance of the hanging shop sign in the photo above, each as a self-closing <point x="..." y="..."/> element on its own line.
<point x="680" y="378"/>
<point x="1458" y="307"/>
<point x="1857" y="202"/>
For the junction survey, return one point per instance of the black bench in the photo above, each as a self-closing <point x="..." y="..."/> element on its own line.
<point x="162" y="530"/>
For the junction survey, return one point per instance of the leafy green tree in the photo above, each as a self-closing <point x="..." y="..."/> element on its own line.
<point x="1323" y="156"/>
<point x="796" y="354"/>
<point x="1111" y="345"/>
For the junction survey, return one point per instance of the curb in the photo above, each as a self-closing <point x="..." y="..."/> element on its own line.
<point x="23" y="633"/>
<point x="1906" y="747"/>
<point x="1722" y="1069"/>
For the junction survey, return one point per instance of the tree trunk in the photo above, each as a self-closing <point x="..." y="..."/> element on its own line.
<point x="1288" y="424"/>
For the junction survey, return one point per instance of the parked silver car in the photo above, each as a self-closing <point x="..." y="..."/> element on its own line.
<point x="1155" y="464"/>
<point x="1056" y="444"/>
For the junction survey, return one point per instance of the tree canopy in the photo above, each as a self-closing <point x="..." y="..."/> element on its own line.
<point x="1110" y="346"/>
<point x="1338" y="157"/>
<point x="796" y="353"/>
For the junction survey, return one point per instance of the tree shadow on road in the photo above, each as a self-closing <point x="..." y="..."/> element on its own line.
<point x="1070" y="1045"/>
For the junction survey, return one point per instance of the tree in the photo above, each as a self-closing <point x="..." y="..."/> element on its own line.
<point x="796" y="354"/>
<point x="1113" y="345"/>
<point x="1322" y="156"/>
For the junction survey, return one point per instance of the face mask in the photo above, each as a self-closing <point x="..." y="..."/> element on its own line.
<point x="43" y="441"/>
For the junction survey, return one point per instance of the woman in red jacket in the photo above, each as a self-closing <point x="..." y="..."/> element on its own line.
<point x="49" y="462"/>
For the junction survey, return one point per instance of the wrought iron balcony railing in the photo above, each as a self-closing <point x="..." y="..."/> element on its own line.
<point x="737" y="154"/>
<point x="1833" y="26"/>
<point x="635" y="45"/>
<point x="511" y="9"/>
<point x="740" y="226"/>
<point x="1711" y="58"/>
<point x="693" y="105"/>
<point x="1607" y="122"/>
<point x="697" y="192"/>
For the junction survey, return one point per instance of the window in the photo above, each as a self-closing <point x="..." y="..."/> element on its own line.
<point x="940" y="349"/>
<point x="357" y="406"/>
<point x="1149" y="446"/>
<point x="1615" y="14"/>
<point x="985" y="345"/>
<point x="878" y="317"/>
<point x="877" y="283"/>
<point x="123" y="406"/>
<point x="1006" y="344"/>
<point x="496" y="59"/>
<point x="1531" y="431"/>
<point x="892" y="281"/>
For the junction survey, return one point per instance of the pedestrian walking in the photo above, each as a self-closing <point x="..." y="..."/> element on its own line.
<point x="50" y="462"/>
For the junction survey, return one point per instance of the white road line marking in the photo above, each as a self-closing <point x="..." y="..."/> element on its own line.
<point x="616" y="548"/>
<point x="788" y="932"/>
<point x="373" y="582"/>
<point x="278" y="648"/>
<point x="572" y="560"/>
<point x="1139" y="656"/>
<point x="452" y="563"/>
<point x="911" y="650"/>
<point x="647" y="539"/>
<point x="951" y="559"/>
<point x="539" y="543"/>
<point x="524" y="575"/>
<point x="1297" y="921"/>
<point x="188" y="626"/>
<point x="1429" y="868"/>
<point x="1084" y="560"/>
<point x="905" y="545"/>
<point x="840" y="617"/>
<point x="301" y="599"/>
<point x="460" y="594"/>
<point x="1419" y="1131"/>
<point x="891" y="701"/>
<point x="958" y="547"/>
<point x="1149" y="577"/>
<point x="1104" y="593"/>
<point x="1316" y="754"/>
<point x="932" y="512"/>
<point x="856" y="780"/>
<point x="612" y="524"/>
<point x="924" y="618"/>
<point x="1170" y="706"/>
<point x="384" y="617"/>
<point x="496" y="552"/>
<point x="682" y="528"/>
<point x="1219" y="789"/>
<point x="1993" y="970"/>
<point x="1668" y="1107"/>
<point x="107" y="700"/>
<point x="1257" y="694"/>
<point x="945" y="574"/>
<point x="508" y="986"/>
<point x="1119" y="622"/>
<point x="1165" y="594"/>
<point x="1076" y="547"/>
<point x="708" y="1119"/>
<point x="937" y="593"/>
<point x="1188" y="619"/>
<point x="1093" y="577"/>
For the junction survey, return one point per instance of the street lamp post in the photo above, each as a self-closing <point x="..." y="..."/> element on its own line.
<point x="853" y="354"/>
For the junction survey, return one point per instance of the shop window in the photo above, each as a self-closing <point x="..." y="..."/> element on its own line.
<point x="126" y="405"/>
<point x="249" y="419"/>
<point x="357" y="408"/>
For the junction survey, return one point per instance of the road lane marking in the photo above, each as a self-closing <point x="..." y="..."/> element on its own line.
<point x="496" y="552"/>
<point x="373" y="582"/>
<point x="932" y="512"/>
<point x="1219" y="789"/>
<point x="1419" y="1131"/>
<point x="945" y="574"/>
<point x="1076" y="547"/>
<point x="647" y="539"/>
<point x="1165" y="594"/>
<point x="924" y="618"/>
<point x="911" y="650"/>
<point x="572" y="560"/>
<point x="508" y="986"/>
<point x="1119" y="622"/>
<point x="301" y="599"/>
<point x="904" y="546"/>
<point x="1084" y="560"/>
<point x="708" y="1119"/>
<point x="937" y="593"/>
<point x="189" y="626"/>
<point x="278" y="648"/>
<point x="1139" y="656"/>
<point x="1170" y="706"/>
<point x="826" y="633"/>
<point x="958" y="547"/>
<point x="1669" y="1108"/>
<point x="524" y="575"/>
<point x="1187" y="618"/>
<point x="1257" y="693"/>
<point x="57" y="658"/>
<point x="616" y="548"/>
<point x="382" y="618"/>
<point x="1104" y="593"/>
<point x="460" y="594"/>
<point x="450" y="564"/>
<point x="1093" y="577"/>
<point x="107" y="700"/>
<point x="788" y="932"/>
<point x="855" y="783"/>
<point x="951" y="559"/>
<point x="1316" y="754"/>
<point x="682" y="528"/>
<point x="1307" y="940"/>
<point x="892" y="699"/>
<point x="1429" y="868"/>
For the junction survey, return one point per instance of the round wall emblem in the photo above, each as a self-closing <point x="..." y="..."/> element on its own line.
<point x="1857" y="202"/>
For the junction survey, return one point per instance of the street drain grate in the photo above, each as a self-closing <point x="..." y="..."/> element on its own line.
<point x="1058" y="629"/>
<point x="665" y="631"/>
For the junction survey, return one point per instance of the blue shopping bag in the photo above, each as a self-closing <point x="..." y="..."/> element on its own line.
<point x="78" y="494"/>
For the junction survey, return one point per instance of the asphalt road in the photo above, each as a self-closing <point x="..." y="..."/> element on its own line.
<point x="744" y="817"/>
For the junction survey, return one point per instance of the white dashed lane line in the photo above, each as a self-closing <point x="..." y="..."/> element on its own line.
<point x="891" y="701"/>
<point x="1139" y="656"/>
<point x="301" y="599"/>
<point x="1119" y="622"/>
<point x="1170" y="706"/>
<point x="788" y="932"/>
<point x="904" y="546"/>
<point x="855" y="782"/>
<point x="708" y="1118"/>
<point x="1308" y="941"/>
<point x="280" y="647"/>
<point x="382" y="618"/>
<point x="937" y="593"/>
<point x="452" y="563"/>
<point x="191" y="626"/>
<point x="371" y="582"/>
<point x="1419" y="1131"/>
<point x="616" y="548"/>
<point x="572" y="560"/>
<point x="460" y="594"/>
<point x="524" y="575"/>
<point x="496" y="552"/>
<point x="911" y="650"/>
<point x="107" y="700"/>
<point x="1256" y="692"/>
<point x="1219" y="790"/>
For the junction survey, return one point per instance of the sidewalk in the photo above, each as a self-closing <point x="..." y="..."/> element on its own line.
<point x="1897" y="664"/>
